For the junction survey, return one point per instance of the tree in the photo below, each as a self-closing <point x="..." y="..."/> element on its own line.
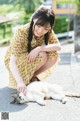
<point x="28" y="5"/>
<point x="78" y="7"/>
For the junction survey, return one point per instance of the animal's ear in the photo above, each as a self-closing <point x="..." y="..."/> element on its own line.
<point x="14" y="101"/>
<point x="15" y="95"/>
<point x="16" y="98"/>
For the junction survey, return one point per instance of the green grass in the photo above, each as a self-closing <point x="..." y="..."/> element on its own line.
<point x="8" y="8"/>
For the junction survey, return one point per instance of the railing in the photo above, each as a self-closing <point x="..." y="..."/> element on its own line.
<point x="69" y="34"/>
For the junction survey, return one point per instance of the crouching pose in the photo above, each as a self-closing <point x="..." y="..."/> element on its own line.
<point x="33" y="50"/>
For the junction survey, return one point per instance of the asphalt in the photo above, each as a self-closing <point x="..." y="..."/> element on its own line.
<point x="66" y="74"/>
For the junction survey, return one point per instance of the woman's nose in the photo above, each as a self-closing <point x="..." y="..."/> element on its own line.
<point x="40" y="30"/>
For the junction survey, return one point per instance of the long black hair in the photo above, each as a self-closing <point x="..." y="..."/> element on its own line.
<point x="43" y="16"/>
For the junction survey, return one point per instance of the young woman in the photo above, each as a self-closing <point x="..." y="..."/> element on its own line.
<point x="33" y="50"/>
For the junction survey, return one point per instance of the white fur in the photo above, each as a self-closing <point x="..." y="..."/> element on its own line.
<point x="37" y="91"/>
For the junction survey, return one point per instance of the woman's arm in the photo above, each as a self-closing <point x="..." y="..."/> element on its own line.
<point x="15" y="72"/>
<point x="53" y="43"/>
<point x="50" y="47"/>
<point x="46" y="48"/>
<point x="14" y="69"/>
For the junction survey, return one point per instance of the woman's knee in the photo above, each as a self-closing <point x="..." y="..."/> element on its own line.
<point x="54" y="59"/>
<point x="43" y="55"/>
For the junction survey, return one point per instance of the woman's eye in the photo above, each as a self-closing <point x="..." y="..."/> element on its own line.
<point x="38" y="25"/>
<point x="47" y="29"/>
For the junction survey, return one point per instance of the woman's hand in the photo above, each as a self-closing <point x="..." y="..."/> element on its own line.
<point x="33" y="54"/>
<point x="21" y="87"/>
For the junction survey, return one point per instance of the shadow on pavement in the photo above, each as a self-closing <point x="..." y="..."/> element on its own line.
<point x="65" y="59"/>
<point x="5" y="100"/>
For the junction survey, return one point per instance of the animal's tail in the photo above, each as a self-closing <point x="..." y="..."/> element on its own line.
<point x="72" y="94"/>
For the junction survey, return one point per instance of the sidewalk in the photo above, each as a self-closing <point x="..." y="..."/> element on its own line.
<point x="66" y="74"/>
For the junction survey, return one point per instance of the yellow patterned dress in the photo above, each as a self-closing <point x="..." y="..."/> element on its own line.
<point x="18" y="47"/>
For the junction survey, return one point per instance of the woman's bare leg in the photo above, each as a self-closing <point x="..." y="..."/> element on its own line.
<point x="49" y="63"/>
<point x="44" y="56"/>
<point x="44" y="60"/>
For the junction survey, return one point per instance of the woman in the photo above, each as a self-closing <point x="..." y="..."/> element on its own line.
<point x="33" y="50"/>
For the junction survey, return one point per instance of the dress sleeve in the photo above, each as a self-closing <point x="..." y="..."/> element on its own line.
<point x="52" y="38"/>
<point x="17" y="43"/>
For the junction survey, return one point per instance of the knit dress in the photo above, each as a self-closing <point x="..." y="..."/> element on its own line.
<point x="19" y="47"/>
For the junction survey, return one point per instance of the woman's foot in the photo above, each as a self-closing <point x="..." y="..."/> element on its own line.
<point x="34" y="79"/>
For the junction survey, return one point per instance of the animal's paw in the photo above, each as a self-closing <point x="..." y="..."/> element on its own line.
<point x="64" y="100"/>
<point x="41" y="102"/>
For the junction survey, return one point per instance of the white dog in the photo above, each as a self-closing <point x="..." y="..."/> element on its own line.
<point x="38" y="91"/>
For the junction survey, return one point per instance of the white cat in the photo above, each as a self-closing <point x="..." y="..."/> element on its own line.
<point x="38" y="90"/>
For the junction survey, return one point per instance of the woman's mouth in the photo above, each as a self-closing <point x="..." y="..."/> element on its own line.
<point x="38" y="34"/>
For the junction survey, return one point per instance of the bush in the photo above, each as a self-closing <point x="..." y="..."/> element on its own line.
<point x="6" y="8"/>
<point x="24" y="18"/>
<point x="61" y="24"/>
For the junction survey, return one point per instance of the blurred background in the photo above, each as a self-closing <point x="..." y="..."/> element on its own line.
<point x="14" y="13"/>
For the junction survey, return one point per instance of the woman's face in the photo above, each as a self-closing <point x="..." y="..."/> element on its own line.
<point x="39" y="30"/>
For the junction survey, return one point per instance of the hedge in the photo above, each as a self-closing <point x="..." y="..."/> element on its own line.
<point x="61" y="24"/>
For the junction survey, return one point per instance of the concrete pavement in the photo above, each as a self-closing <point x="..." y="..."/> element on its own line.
<point x="66" y="74"/>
